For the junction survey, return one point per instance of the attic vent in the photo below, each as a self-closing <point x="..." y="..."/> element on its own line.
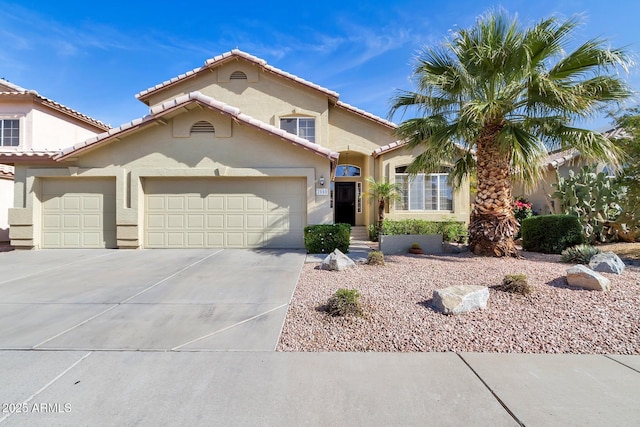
<point x="238" y="75"/>
<point x="202" y="127"/>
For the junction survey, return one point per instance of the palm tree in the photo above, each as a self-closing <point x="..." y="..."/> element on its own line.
<point x="495" y="97"/>
<point x="383" y="192"/>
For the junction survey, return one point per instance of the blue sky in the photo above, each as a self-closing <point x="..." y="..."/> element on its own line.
<point x="96" y="57"/>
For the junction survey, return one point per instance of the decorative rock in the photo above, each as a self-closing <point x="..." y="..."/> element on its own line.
<point x="453" y="248"/>
<point x="607" y="262"/>
<point x="460" y="299"/>
<point x="337" y="261"/>
<point x="583" y="277"/>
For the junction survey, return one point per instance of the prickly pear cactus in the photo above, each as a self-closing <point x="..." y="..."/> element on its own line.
<point x="593" y="197"/>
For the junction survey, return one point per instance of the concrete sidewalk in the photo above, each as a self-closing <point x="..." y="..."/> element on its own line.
<point x="338" y="389"/>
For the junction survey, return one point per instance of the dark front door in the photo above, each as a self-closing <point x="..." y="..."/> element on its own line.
<point x="345" y="211"/>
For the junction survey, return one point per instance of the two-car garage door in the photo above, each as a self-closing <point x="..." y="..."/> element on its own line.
<point x="178" y="213"/>
<point x="225" y="212"/>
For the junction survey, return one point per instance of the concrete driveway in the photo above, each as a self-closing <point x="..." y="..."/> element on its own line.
<point x="180" y="300"/>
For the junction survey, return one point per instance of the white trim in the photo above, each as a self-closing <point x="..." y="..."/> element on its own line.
<point x="437" y="196"/>
<point x="297" y="118"/>
<point x="348" y="176"/>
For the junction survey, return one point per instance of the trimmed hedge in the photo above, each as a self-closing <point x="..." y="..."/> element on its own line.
<point x="325" y="238"/>
<point x="452" y="231"/>
<point x="551" y="234"/>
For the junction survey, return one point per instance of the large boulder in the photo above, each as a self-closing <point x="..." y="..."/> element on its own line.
<point x="607" y="262"/>
<point x="460" y="299"/>
<point x="337" y="261"/>
<point x="583" y="277"/>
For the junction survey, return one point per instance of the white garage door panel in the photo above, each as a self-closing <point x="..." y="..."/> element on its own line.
<point x="232" y="213"/>
<point x="78" y="213"/>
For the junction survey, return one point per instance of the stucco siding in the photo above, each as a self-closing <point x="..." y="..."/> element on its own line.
<point x="262" y="96"/>
<point x="154" y="152"/>
<point x="539" y="196"/>
<point x="461" y="203"/>
<point x="358" y="134"/>
<point x="50" y="130"/>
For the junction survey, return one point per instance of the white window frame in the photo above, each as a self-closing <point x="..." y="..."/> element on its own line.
<point x="297" y="132"/>
<point x="347" y="166"/>
<point x="420" y="179"/>
<point x="2" y="128"/>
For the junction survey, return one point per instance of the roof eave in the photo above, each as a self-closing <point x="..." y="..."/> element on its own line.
<point x="178" y="103"/>
<point x="235" y="54"/>
<point x="26" y="157"/>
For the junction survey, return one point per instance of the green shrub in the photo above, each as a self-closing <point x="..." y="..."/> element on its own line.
<point x="551" y="233"/>
<point x="343" y="302"/>
<point x="325" y="238"/>
<point x="452" y="231"/>
<point x="373" y="232"/>
<point x="580" y="254"/>
<point x="375" y="258"/>
<point x="516" y="284"/>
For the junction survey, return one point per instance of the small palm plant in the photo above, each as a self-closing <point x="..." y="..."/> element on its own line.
<point x="384" y="192"/>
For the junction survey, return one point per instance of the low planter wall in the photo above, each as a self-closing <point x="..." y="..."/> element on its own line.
<point x="400" y="244"/>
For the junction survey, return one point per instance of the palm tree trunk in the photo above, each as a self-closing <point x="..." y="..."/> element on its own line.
<point x="493" y="224"/>
<point x="381" y="206"/>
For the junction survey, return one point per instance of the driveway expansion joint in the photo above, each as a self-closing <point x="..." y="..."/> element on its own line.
<point x="47" y="385"/>
<point x="623" y="364"/>
<point x="493" y="393"/>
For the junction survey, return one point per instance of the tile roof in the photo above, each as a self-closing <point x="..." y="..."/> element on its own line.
<point x="226" y="57"/>
<point x="616" y="133"/>
<point x="366" y="114"/>
<point x="389" y="147"/>
<point x="236" y="53"/>
<point x="26" y="156"/>
<point x="20" y="91"/>
<point x="160" y="110"/>
<point x="555" y="159"/>
<point x="6" y="172"/>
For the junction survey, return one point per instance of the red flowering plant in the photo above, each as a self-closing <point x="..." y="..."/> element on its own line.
<point x="521" y="210"/>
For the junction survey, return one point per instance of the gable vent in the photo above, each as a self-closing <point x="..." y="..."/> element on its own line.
<point x="238" y="75"/>
<point x="202" y="127"/>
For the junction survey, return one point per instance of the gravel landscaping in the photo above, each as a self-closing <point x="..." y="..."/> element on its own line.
<point x="398" y="315"/>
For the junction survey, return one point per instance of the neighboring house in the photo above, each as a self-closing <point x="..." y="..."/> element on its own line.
<point x="236" y="153"/>
<point x="561" y="161"/>
<point x="31" y="125"/>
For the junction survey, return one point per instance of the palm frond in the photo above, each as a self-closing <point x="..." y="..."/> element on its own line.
<point x="518" y="81"/>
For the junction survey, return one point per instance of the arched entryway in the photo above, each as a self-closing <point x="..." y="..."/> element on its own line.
<point x="347" y="188"/>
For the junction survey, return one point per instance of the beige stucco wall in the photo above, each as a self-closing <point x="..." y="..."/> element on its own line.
<point x="263" y="95"/>
<point x="350" y="131"/>
<point x="402" y="157"/>
<point x="155" y="151"/>
<point x="541" y="202"/>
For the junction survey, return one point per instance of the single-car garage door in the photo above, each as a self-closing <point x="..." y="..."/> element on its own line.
<point x="225" y="212"/>
<point x="78" y="213"/>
